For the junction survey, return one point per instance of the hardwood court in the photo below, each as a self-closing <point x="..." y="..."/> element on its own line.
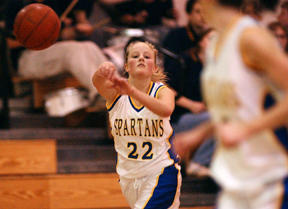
<point x="28" y="156"/>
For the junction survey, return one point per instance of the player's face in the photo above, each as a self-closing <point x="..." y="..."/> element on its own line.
<point x="140" y="60"/>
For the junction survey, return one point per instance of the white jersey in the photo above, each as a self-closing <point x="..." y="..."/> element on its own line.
<point x="141" y="138"/>
<point x="234" y="92"/>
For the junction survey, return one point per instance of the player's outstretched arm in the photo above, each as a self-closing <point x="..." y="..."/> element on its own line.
<point x="102" y="80"/>
<point x="163" y="105"/>
<point x="191" y="105"/>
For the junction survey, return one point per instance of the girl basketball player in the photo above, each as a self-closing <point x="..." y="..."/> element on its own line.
<point x="139" y="111"/>
<point x="246" y="90"/>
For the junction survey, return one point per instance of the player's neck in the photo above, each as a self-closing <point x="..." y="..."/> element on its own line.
<point x="141" y="85"/>
<point x="225" y="18"/>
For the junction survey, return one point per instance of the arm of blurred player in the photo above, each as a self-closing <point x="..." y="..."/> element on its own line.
<point x="192" y="106"/>
<point x="189" y="140"/>
<point x="257" y="44"/>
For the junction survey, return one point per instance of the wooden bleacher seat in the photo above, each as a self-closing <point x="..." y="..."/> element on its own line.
<point x="28" y="157"/>
<point x="42" y="87"/>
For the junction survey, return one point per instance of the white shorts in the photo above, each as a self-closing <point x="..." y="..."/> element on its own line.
<point x="157" y="191"/>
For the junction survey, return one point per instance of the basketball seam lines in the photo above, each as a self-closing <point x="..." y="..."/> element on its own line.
<point x="36" y="27"/>
<point x="55" y="25"/>
<point x="23" y="18"/>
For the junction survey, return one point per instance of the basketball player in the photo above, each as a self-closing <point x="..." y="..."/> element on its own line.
<point x="139" y="112"/>
<point x="245" y="74"/>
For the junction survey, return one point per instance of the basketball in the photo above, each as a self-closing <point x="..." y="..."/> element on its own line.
<point x="36" y="26"/>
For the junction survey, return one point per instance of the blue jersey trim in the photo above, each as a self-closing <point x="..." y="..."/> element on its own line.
<point x="135" y="108"/>
<point x="138" y="109"/>
<point x="166" y="189"/>
<point x="156" y="92"/>
<point x="284" y="203"/>
<point x="113" y="104"/>
<point x="171" y="152"/>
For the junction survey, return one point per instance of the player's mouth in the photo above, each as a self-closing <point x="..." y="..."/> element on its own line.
<point x="141" y="65"/>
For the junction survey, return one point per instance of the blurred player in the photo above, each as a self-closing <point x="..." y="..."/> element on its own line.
<point x="246" y="90"/>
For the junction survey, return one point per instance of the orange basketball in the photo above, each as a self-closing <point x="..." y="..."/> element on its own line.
<point x="36" y="26"/>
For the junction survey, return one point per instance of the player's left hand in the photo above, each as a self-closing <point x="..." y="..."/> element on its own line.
<point x="121" y="84"/>
<point x="232" y="134"/>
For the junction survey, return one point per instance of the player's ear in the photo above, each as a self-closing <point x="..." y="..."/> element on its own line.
<point x="126" y="67"/>
<point x="155" y="69"/>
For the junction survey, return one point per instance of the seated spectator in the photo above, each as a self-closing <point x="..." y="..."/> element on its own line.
<point x="190" y="111"/>
<point x="143" y="13"/>
<point x="178" y="41"/>
<point x="77" y="25"/>
<point x="283" y="15"/>
<point x="6" y="85"/>
<point x="184" y="78"/>
<point x="81" y="59"/>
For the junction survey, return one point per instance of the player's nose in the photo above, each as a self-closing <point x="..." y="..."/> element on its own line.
<point x="141" y="57"/>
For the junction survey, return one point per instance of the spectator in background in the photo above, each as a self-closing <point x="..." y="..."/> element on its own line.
<point x="184" y="78"/>
<point x="143" y="13"/>
<point x="178" y="41"/>
<point x="189" y="103"/>
<point x="283" y="16"/>
<point x="80" y="59"/>
<point x="280" y="33"/>
<point x="11" y="10"/>
<point x="77" y="25"/>
<point x="6" y="85"/>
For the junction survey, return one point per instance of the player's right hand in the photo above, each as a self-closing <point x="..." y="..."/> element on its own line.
<point x="107" y="70"/>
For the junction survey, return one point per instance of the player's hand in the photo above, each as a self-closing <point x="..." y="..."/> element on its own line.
<point x="232" y="134"/>
<point x="121" y="84"/>
<point x="107" y="70"/>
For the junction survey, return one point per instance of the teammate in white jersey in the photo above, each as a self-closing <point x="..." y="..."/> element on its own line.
<point x="246" y="90"/>
<point x="139" y="113"/>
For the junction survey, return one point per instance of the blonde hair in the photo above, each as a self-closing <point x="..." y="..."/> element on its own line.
<point x="158" y="75"/>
